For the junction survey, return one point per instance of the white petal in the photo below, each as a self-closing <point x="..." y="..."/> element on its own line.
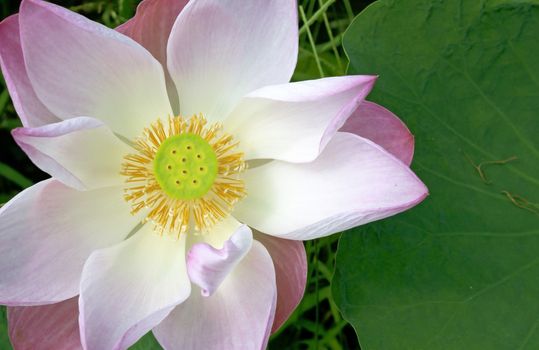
<point x="220" y="50"/>
<point x="238" y="316"/>
<point x="295" y="121"/>
<point x="81" y="152"/>
<point x="46" y="234"/>
<point x="126" y="290"/>
<point x="218" y="234"/>
<point x="352" y="182"/>
<point x="151" y="28"/>
<point x="81" y="68"/>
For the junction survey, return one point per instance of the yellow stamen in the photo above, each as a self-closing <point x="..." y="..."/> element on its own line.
<point x="157" y="185"/>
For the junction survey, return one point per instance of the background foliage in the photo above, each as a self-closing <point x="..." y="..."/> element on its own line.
<point x="460" y="271"/>
<point x="317" y="323"/>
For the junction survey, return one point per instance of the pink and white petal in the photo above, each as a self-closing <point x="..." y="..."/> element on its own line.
<point x="81" y="152"/>
<point x="46" y="234"/>
<point x="152" y="24"/>
<point x="382" y="127"/>
<point x="220" y="50"/>
<point x="353" y="182"/>
<point x="81" y="68"/>
<point x="46" y="327"/>
<point x="30" y="109"/>
<point x="238" y="315"/>
<point x="290" y="261"/>
<point x="208" y="267"/>
<point x="126" y="290"/>
<point x="295" y="121"/>
<point x="151" y="28"/>
<point x="219" y="234"/>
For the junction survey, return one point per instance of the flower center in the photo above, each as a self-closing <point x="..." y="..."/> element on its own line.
<point x="185" y="166"/>
<point x="186" y="175"/>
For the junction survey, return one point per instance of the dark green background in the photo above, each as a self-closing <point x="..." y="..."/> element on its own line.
<point x="460" y="271"/>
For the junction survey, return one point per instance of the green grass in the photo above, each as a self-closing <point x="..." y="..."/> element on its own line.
<point x="317" y="323"/>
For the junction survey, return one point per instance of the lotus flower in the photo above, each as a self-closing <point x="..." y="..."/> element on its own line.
<point x="185" y="172"/>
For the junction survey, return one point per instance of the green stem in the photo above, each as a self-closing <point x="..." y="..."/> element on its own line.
<point x="311" y="41"/>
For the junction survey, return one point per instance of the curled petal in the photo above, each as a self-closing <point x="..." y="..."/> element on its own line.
<point x="219" y="234"/>
<point x="351" y="183"/>
<point x="208" y="267"/>
<point x="239" y="315"/>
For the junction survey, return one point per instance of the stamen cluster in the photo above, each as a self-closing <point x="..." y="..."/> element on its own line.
<point x="172" y="214"/>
